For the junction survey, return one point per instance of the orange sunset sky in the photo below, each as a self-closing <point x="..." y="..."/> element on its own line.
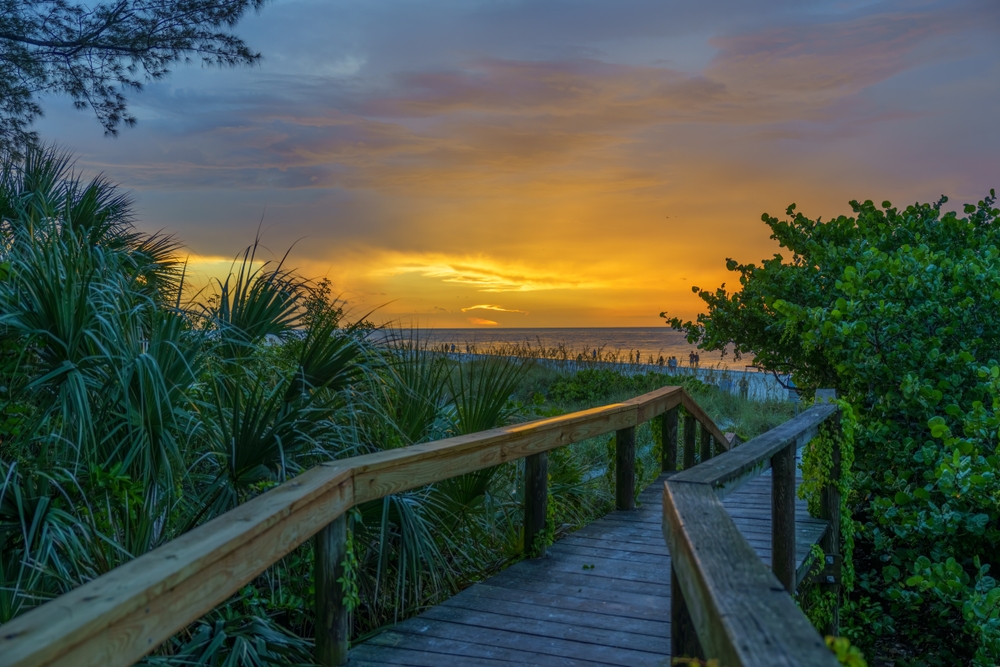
<point x="540" y="164"/>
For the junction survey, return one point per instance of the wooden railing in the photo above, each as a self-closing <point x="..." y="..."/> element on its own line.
<point x="726" y="604"/>
<point x="127" y="613"/>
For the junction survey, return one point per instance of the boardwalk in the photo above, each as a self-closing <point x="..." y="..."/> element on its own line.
<point x="600" y="597"/>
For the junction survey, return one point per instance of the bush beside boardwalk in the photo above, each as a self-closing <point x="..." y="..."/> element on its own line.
<point x="899" y="309"/>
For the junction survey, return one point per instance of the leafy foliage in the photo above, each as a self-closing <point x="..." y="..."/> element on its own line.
<point x="94" y="51"/>
<point x="899" y="309"/>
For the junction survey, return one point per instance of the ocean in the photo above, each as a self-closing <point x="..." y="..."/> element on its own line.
<point x="616" y="344"/>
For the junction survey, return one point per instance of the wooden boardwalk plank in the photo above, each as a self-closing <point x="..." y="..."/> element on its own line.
<point x="600" y="597"/>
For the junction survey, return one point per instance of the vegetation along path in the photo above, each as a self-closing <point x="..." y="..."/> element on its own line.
<point x="601" y="596"/>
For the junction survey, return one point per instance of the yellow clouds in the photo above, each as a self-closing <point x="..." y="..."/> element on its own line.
<point x="499" y="309"/>
<point x="478" y="321"/>
<point x="484" y="275"/>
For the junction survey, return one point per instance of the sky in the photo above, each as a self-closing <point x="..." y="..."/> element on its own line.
<point x="550" y="163"/>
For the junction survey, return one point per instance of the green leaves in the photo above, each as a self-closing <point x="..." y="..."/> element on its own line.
<point x="899" y="309"/>
<point x="94" y="52"/>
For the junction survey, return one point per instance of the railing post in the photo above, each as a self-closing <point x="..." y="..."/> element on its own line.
<point x="706" y="443"/>
<point x="689" y="428"/>
<point x="668" y="423"/>
<point x="683" y="636"/>
<point x="783" y="517"/>
<point x="625" y="468"/>
<point x="332" y="618"/>
<point x="536" y="496"/>
<point x="829" y="510"/>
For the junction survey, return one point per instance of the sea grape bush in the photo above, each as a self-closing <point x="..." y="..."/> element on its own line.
<point x="899" y="309"/>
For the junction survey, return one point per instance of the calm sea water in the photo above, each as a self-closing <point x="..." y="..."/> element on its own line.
<point x="612" y="344"/>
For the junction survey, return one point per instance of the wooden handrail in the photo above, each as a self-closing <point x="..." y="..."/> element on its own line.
<point x="727" y="604"/>
<point x="125" y="614"/>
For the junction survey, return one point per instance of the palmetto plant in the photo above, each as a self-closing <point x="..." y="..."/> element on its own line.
<point x="128" y="415"/>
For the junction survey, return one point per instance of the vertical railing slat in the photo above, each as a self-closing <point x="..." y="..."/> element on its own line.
<point x="536" y="478"/>
<point x="783" y="517"/>
<point x="332" y="617"/>
<point x="689" y="440"/>
<point x="684" y="641"/>
<point x="625" y="468"/>
<point x="668" y="423"/>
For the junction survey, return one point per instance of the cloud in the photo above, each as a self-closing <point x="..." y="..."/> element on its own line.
<point x="499" y="309"/>
<point x="481" y="321"/>
<point x="483" y="274"/>
<point x="480" y="120"/>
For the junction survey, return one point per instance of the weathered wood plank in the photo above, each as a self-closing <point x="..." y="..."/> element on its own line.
<point x="593" y="640"/>
<point x="783" y="517"/>
<point x="616" y="546"/>
<point x="668" y="427"/>
<point x="689" y="441"/>
<point x="530" y="610"/>
<point x="706" y="443"/>
<point x="544" y="650"/>
<point x="696" y="410"/>
<point x="634" y="607"/>
<point x="742" y="613"/>
<point x="609" y="551"/>
<point x="726" y="473"/>
<point x="684" y="642"/>
<point x="656" y="403"/>
<point x="389" y="655"/>
<point x="574" y="585"/>
<point x="463" y="649"/>
<point x="333" y="631"/>
<point x="538" y="638"/>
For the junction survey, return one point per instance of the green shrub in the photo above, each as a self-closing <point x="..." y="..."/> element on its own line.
<point x="899" y="309"/>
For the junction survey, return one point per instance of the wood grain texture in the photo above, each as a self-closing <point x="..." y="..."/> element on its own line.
<point x="742" y="613"/>
<point x="783" y="517"/>
<point x="332" y="618"/>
